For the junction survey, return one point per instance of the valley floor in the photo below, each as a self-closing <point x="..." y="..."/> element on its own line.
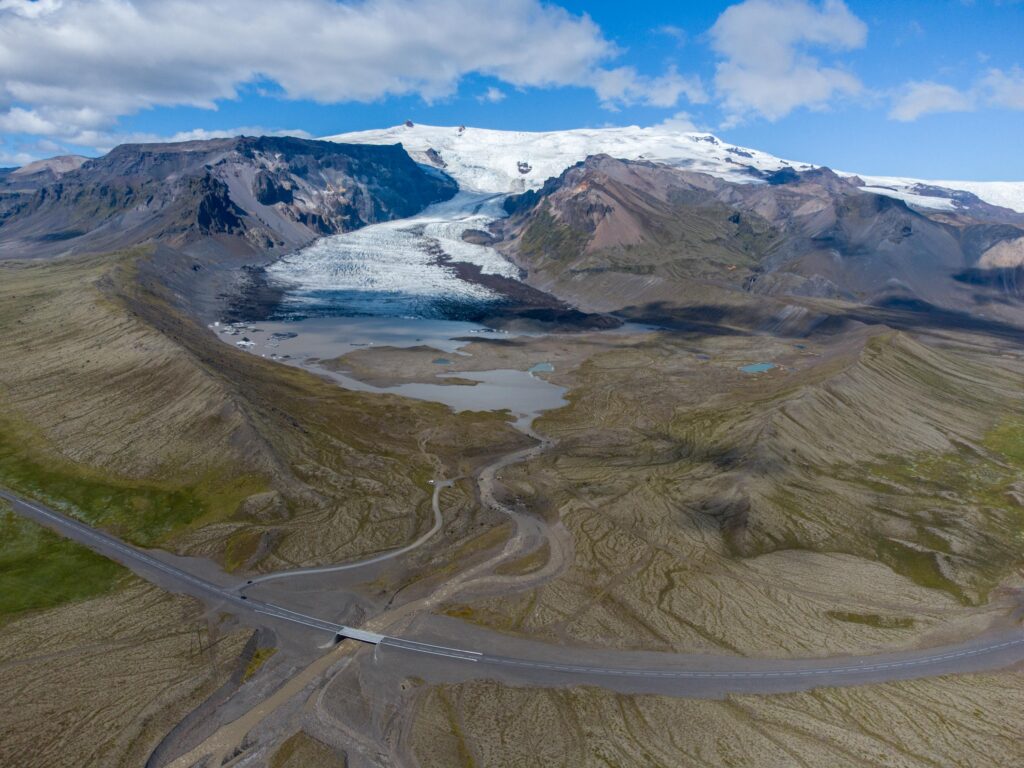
<point x="861" y="497"/>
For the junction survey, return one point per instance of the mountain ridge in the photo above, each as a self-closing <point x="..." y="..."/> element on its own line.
<point x="611" y="231"/>
<point x="257" y="194"/>
<point x="514" y="161"/>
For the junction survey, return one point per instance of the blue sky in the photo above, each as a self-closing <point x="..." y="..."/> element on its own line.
<point x="932" y="89"/>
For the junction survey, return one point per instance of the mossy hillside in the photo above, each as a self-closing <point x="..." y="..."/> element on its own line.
<point x="120" y="408"/>
<point x="40" y="570"/>
<point x="714" y="509"/>
<point x="814" y="464"/>
<point x="103" y="417"/>
<point x="548" y="238"/>
<point x="603" y="226"/>
<point x="144" y="513"/>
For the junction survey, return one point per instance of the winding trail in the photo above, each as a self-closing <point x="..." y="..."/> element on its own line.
<point x="384" y="556"/>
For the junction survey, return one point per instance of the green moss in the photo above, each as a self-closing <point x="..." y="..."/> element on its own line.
<point x="547" y="237"/>
<point x="1007" y="440"/>
<point x="938" y="491"/>
<point x="919" y="565"/>
<point x="144" y="513"/>
<point x="259" y="657"/>
<point x="39" y="569"/>
<point x="241" y="546"/>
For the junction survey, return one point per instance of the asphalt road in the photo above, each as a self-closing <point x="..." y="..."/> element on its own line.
<point x="154" y="570"/>
<point x="542" y="663"/>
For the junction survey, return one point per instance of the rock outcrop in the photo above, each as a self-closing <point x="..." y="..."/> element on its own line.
<point x="255" y="194"/>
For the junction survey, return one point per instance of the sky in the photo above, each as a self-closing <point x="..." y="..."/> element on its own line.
<point x="923" y="88"/>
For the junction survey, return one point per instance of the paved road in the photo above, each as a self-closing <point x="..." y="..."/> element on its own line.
<point x="638" y="671"/>
<point x="152" y="569"/>
<point x="735" y="674"/>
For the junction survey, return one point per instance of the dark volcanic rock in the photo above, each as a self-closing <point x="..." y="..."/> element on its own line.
<point x="783" y="176"/>
<point x="266" y="193"/>
<point x="435" y="157"/>
<point x="268" y="190"/>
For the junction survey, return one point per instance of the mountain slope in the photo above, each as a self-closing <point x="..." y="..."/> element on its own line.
<point x="251" y="194"/>
<point x="611" y="233"/>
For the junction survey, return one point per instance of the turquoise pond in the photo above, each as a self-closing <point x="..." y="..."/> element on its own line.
<point x="757" y="367"/>
<point x="542" y="368"/>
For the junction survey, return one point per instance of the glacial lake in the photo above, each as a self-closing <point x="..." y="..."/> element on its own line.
<point x="391" y="285"/>
<point x="305" y="343"/>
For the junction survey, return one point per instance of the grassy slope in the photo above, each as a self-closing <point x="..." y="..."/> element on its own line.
<point x="39" y="569"/>
<point x="118" y="408"/>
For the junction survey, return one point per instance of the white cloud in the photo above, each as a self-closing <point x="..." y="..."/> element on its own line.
<point x="1004" y="89"/>
<point x="102" y="142"/>
<point x="680" y="121"/>
<point x="624" y="85"/>
<point x="492" y="95"/>
<point x="766" y="69"/>
<point x="997" y="88"/>
<point x="15" y="159"/>
<point x="676" y="33"/>
<point x="78" y="66"/>
<point x="922" y="98"/>
<point x="18" y="120"/>
<point x="201" y="134"/>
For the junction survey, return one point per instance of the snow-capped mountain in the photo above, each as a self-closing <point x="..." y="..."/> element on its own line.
<point x="513" y="161"/>
<point x="484" y="160"/>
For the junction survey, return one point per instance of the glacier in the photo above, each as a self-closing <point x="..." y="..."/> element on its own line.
<point x="398" y="268"/>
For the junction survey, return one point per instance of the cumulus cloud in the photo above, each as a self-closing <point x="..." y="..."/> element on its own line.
<point x="680" y="121"/>
<point x="492" y="95"/>
<point x="1004" y="89"/>
<point x="922" y="98"/>
<point x="68" y="68"/>
<point x="766" y="68"/>
<point x="15" y="159"/>
<point x="997" y="88"/>
<point x="624" y="85"/>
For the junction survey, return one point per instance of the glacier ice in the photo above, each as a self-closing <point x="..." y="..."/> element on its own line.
<point x="397" y="268"/>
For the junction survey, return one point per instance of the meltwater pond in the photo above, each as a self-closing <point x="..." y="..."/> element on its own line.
<point x="757" y="367"/>
<point x="392" y="285"/>
<point x="306" y="343"/>
<point x="526" y="396"/>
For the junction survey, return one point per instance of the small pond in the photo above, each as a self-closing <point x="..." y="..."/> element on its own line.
<point x="757" y="367"/>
